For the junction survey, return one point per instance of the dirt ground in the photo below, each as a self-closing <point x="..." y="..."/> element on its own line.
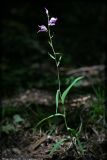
<point x="51" y="141"/>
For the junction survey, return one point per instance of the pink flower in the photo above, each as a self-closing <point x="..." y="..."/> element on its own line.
<point x="52" y="21"/>
<point x="42" y="28"/>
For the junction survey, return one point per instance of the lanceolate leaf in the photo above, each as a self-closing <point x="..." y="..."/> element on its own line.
<point x="51" y="56"/>
<point x="58" y="53"/>
<point x="57" y="99"/>
<point x="68" y="89"/>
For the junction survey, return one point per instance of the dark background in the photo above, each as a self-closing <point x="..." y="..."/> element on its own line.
<point x="79" y="34"/>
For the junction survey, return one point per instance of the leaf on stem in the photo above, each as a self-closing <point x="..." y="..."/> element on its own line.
<point x="51" y="116"/>
<point x="68" y="89"/>
<point x="51" y="56"/>
<point x="58" y="53"/>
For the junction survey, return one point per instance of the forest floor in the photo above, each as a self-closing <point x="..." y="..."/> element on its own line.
<point x="85" y="111"/>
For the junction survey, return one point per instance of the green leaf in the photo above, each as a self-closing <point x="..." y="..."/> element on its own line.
<point x="81" y="147"/>
<point x="51" y="116"/>
<point x="8" y="128"/>
<point x="57" y="146"/>
<point x="17" y="119"/>
<point x="68" y="89"/>
<point x="58" y="53"/>
<point x="72" y="131"/>
<point x="57" y="99"/>
<point x="51" y="56"/>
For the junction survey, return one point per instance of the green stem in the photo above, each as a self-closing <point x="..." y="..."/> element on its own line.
<point x="65" y="117"/>
<point x="53" y="50"/>
<point x="58" y="73"/>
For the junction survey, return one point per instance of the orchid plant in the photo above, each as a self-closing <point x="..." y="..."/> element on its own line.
<point x="56" y="56"/>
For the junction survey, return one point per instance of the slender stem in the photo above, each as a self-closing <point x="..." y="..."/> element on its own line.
<point x="58" y="73"/>
<point x="65" y="117"/>
<point x="51" y="42"/>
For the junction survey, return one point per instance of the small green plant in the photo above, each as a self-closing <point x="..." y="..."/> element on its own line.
<point x="60" y="96"/>
<point x="11" y="126"/>
<point x="97" y="111"/>
<point x="57" y="146"/>
<point x="7" y="128"/>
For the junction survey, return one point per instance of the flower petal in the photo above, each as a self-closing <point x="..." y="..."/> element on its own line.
<point x="52" y="21"/>
<point x="42" y="28"/>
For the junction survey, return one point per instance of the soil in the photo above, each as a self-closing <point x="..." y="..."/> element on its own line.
<point x="51" y="141"/>
<point x="36" y="146"/>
